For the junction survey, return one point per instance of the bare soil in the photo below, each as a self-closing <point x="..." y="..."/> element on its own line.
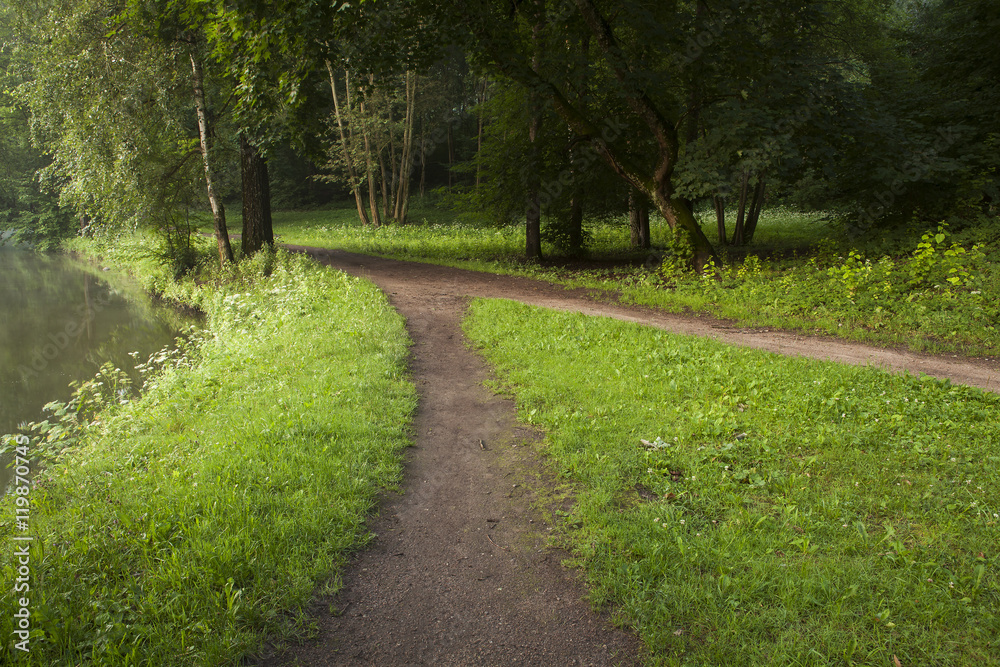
<point x="460" y="571"/>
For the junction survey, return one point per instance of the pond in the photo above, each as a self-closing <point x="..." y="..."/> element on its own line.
<point x="62" y="319"/>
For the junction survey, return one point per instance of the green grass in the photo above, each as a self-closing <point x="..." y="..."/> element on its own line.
<point x="193" y="524"/>
<point x="437" y="236"/>
<point x="786" y="511"/>
<point x="797" y="275"/>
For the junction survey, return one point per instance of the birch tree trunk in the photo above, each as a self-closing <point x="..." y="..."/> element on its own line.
<point x="218" y="210"/>
<point x="370" y="169"/>
<point x="346" y="147"/>
<point x="406" y="159"/>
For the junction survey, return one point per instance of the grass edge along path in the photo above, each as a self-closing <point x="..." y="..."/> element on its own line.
<point x="781" y="510"/>
<point x="195" y="523"/>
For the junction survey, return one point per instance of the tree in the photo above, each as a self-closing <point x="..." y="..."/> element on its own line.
<point x="204" y="136"/>
<point x="24" y="206"/>
<point x="111" y="108"/>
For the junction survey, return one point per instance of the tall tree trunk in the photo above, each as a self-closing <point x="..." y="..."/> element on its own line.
<point x="204" y="132"/>
<point x="479" y="132"/>
<point x="638" y="219"/>
<point x="576" y="201"/>
<point x="451" y="156"/>
<point x="720" y="217"/>
<point x="755" y="207"/>
<point x="423" y="159"/>
<point x="393" y="181"/>
<point x="741" y="209"/>
<point x="384" y="183"/>
<point x="257" y="229"/>
<point x="370" y="169"/>
<point x="406" y="159"/>
<point x="533" y="218"/>
<point x="345" y="145"/>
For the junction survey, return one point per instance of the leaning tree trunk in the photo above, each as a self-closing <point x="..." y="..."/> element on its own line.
<point x="739" y="231"/>
<point x="659" y="188"/>
<point x="755" y="207"/>
<point x="218" y="209"/>
<point x="345" y="145"/>
<point x="406" y="157"/>
<point x="257" y="229"/>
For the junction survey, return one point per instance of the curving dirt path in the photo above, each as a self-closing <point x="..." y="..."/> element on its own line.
<point x="459" y="572"/>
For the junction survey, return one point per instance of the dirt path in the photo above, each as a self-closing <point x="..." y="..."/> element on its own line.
<point x="458" y="573"/>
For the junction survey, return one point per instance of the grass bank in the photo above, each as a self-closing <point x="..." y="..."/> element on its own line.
<point x="936" y="291"/>
<point x="743" y="508"/>
<point x="194" y="524"/>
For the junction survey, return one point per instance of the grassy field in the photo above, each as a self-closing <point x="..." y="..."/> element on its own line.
<point x="193" y="524"/>
<point x="936" y="289"/>
<point x="742" y="508"/>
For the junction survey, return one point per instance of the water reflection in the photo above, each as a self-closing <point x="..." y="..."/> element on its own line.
<point x="60" y="320"/>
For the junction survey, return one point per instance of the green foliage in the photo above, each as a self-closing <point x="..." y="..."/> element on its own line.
<point x="743" y="508"/>
<point x="933" y="264"/>
<point x="193" y="524"/>
<point x="110" y="104"/>
<point x="940" y="295"/>
<point x="52" y="439"/>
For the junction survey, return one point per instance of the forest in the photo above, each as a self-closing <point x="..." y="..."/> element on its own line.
<point x="121" y="115"/>
<point x="822" y="167"/>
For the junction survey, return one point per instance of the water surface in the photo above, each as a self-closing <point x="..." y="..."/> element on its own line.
<point x="60" y="321"/>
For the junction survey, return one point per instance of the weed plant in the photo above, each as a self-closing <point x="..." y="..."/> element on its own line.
<point x="743" y="508"/>
<point x="938" y="295"/>
<point x="194" y="523"/>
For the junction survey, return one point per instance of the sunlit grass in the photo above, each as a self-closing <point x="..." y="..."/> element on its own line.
<point x="194" y="524"/>
<point x="742" y="508"/>
<point x="436" y="235"/>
